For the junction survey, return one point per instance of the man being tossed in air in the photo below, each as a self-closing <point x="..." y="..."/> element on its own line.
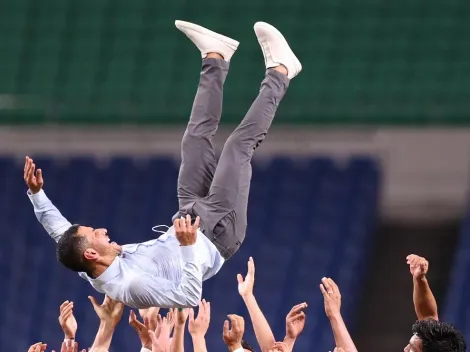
<point x="168" y="271"/>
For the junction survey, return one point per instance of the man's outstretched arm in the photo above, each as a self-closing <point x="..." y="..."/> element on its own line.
<point x="423" y="299"/>
<point x="46" y="213"/>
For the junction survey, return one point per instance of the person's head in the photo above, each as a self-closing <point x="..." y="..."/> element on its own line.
<point x="246" y="347"/>
<point x="81" y="248"/>
<point x="434" y="336"/>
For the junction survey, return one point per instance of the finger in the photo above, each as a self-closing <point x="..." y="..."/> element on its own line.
<point x="297" y="308"/>
<point x="208" y="310"/>
<point x="153" y="337"/>
<point x="326" y="284"/>
<point x="39" y="176"/>
<point x="333" y="285"/>
<point x="132" y="317"/>
<point x="235" y="322"/>
<point x="191" y="315"/>
<point x="93" y="301"/>
<point x="67" y="315"/>
<point x="26" y="167"/>
<point x="67" y="310"/>
<point x="188" y="223"/>
<point x="294" y="317"/>
<point x="202" y="309"/>
<point x="29" y="172"/>
<point x="323" y="291"/>
<point x="251" y="266"/>
<point x="177" y="225"/>
<point x="63" y="305"/>
<point x="240" y="278"/>
<point x="196" y="223"/>
<point x="75" y="347"/>
<point x="226" y="330"/>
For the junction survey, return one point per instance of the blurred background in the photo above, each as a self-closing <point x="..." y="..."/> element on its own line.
<point x="368" y="159"/>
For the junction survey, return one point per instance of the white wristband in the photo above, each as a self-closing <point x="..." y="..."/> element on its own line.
<point x="143" y="349"/>
<point x="239" y="349"/>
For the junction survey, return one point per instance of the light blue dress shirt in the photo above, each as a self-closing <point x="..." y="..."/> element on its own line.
<point x="156" y="273"/>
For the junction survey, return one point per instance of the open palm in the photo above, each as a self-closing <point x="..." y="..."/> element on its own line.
<point x="245" y="286"/>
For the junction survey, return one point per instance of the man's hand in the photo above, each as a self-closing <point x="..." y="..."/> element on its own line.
<point x="280" y="347"/>
<point x="185" y="233"/>
<point x="67" y="320"/>
<point x="418" y="266"/>
<point x="199" y="326"/>
<point x="151" y="314"/>
<point x="295" y="321"/>
<point x="161" y="336"/>
<point x="171" y="319"/>
<point x="32" y="177"/>
<point x="38" y="347"/>
<point x="245" y="287"/>
<point x="233" y="337"/>
<point x="142" y="329"/>
<point x="182" y="316"/>
<point x="109" y="312"/>
<point x="332" y="297"/>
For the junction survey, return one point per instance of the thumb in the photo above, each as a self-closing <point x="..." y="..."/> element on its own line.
<point x="240" y="278"/>
<point x="93" y="301"/>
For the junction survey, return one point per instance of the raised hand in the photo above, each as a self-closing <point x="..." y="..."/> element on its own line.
<point x="332" y="297"/>
<point x="161" y="336"/>
<point x="295" y="321"/>
<point x="200" y="325"/>
<point x="233" y="336"/>
<point x="67" y="320"/>
<point x="32" y="177"/>
<point x="38" y="347"/>
<point x="109" y="311"/>
<point x="418" y="266"/>
<point x="151" y="314"/>
<point x="185" y="232"/>
<point x="142" y="329"/>
<point x="245" y="286"/>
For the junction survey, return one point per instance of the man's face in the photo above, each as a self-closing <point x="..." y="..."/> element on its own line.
<point x="415" y="345"/>
<point x="99" y="241"/>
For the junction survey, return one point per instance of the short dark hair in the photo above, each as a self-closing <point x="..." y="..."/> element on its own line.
<point x="70" y="249"/>
<point x="246" y="346"/>
<point x="437" y="336"/>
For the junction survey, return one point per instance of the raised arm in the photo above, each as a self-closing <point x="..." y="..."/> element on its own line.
<point x="46" y="213"/>
<point x="332" y="298"/>
<point x="263" y="332"/>
<point x="423" y="299"/>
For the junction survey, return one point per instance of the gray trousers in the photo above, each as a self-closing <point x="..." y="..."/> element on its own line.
<point x="218" y="192"/>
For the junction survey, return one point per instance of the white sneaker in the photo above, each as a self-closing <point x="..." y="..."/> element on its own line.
<point x="208" y="41"/>
<point x="275" y="49"/>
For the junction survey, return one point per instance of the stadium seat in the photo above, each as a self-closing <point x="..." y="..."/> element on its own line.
<point x="308" y="218"/>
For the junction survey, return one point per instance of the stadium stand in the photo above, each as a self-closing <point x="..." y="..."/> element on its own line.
<point x="308" y="218"/>
<point x="108" y="61"/>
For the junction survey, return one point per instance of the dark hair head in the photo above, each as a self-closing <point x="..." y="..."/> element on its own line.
<point x="70" y="249"/>
<point x="437" y="336"/>
<point x="246" y="346"/>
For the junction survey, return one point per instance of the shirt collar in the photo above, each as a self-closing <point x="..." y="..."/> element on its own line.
<point x="110" y="273"/>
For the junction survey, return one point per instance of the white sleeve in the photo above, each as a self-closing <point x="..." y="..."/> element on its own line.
<point x="48" y="215"/>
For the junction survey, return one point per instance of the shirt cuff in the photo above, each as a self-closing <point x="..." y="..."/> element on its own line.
<point x="188" y="253"/>
<point x="37" y="198"/>
<point x="239" y="350"/>
<point x="143" y="349"/>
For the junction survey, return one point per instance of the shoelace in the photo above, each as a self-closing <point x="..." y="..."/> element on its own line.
<point x="155" y="229"/>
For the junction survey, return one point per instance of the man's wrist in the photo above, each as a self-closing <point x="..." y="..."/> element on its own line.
<point x="249" y="296"/>
<point x="335" y="316"/>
